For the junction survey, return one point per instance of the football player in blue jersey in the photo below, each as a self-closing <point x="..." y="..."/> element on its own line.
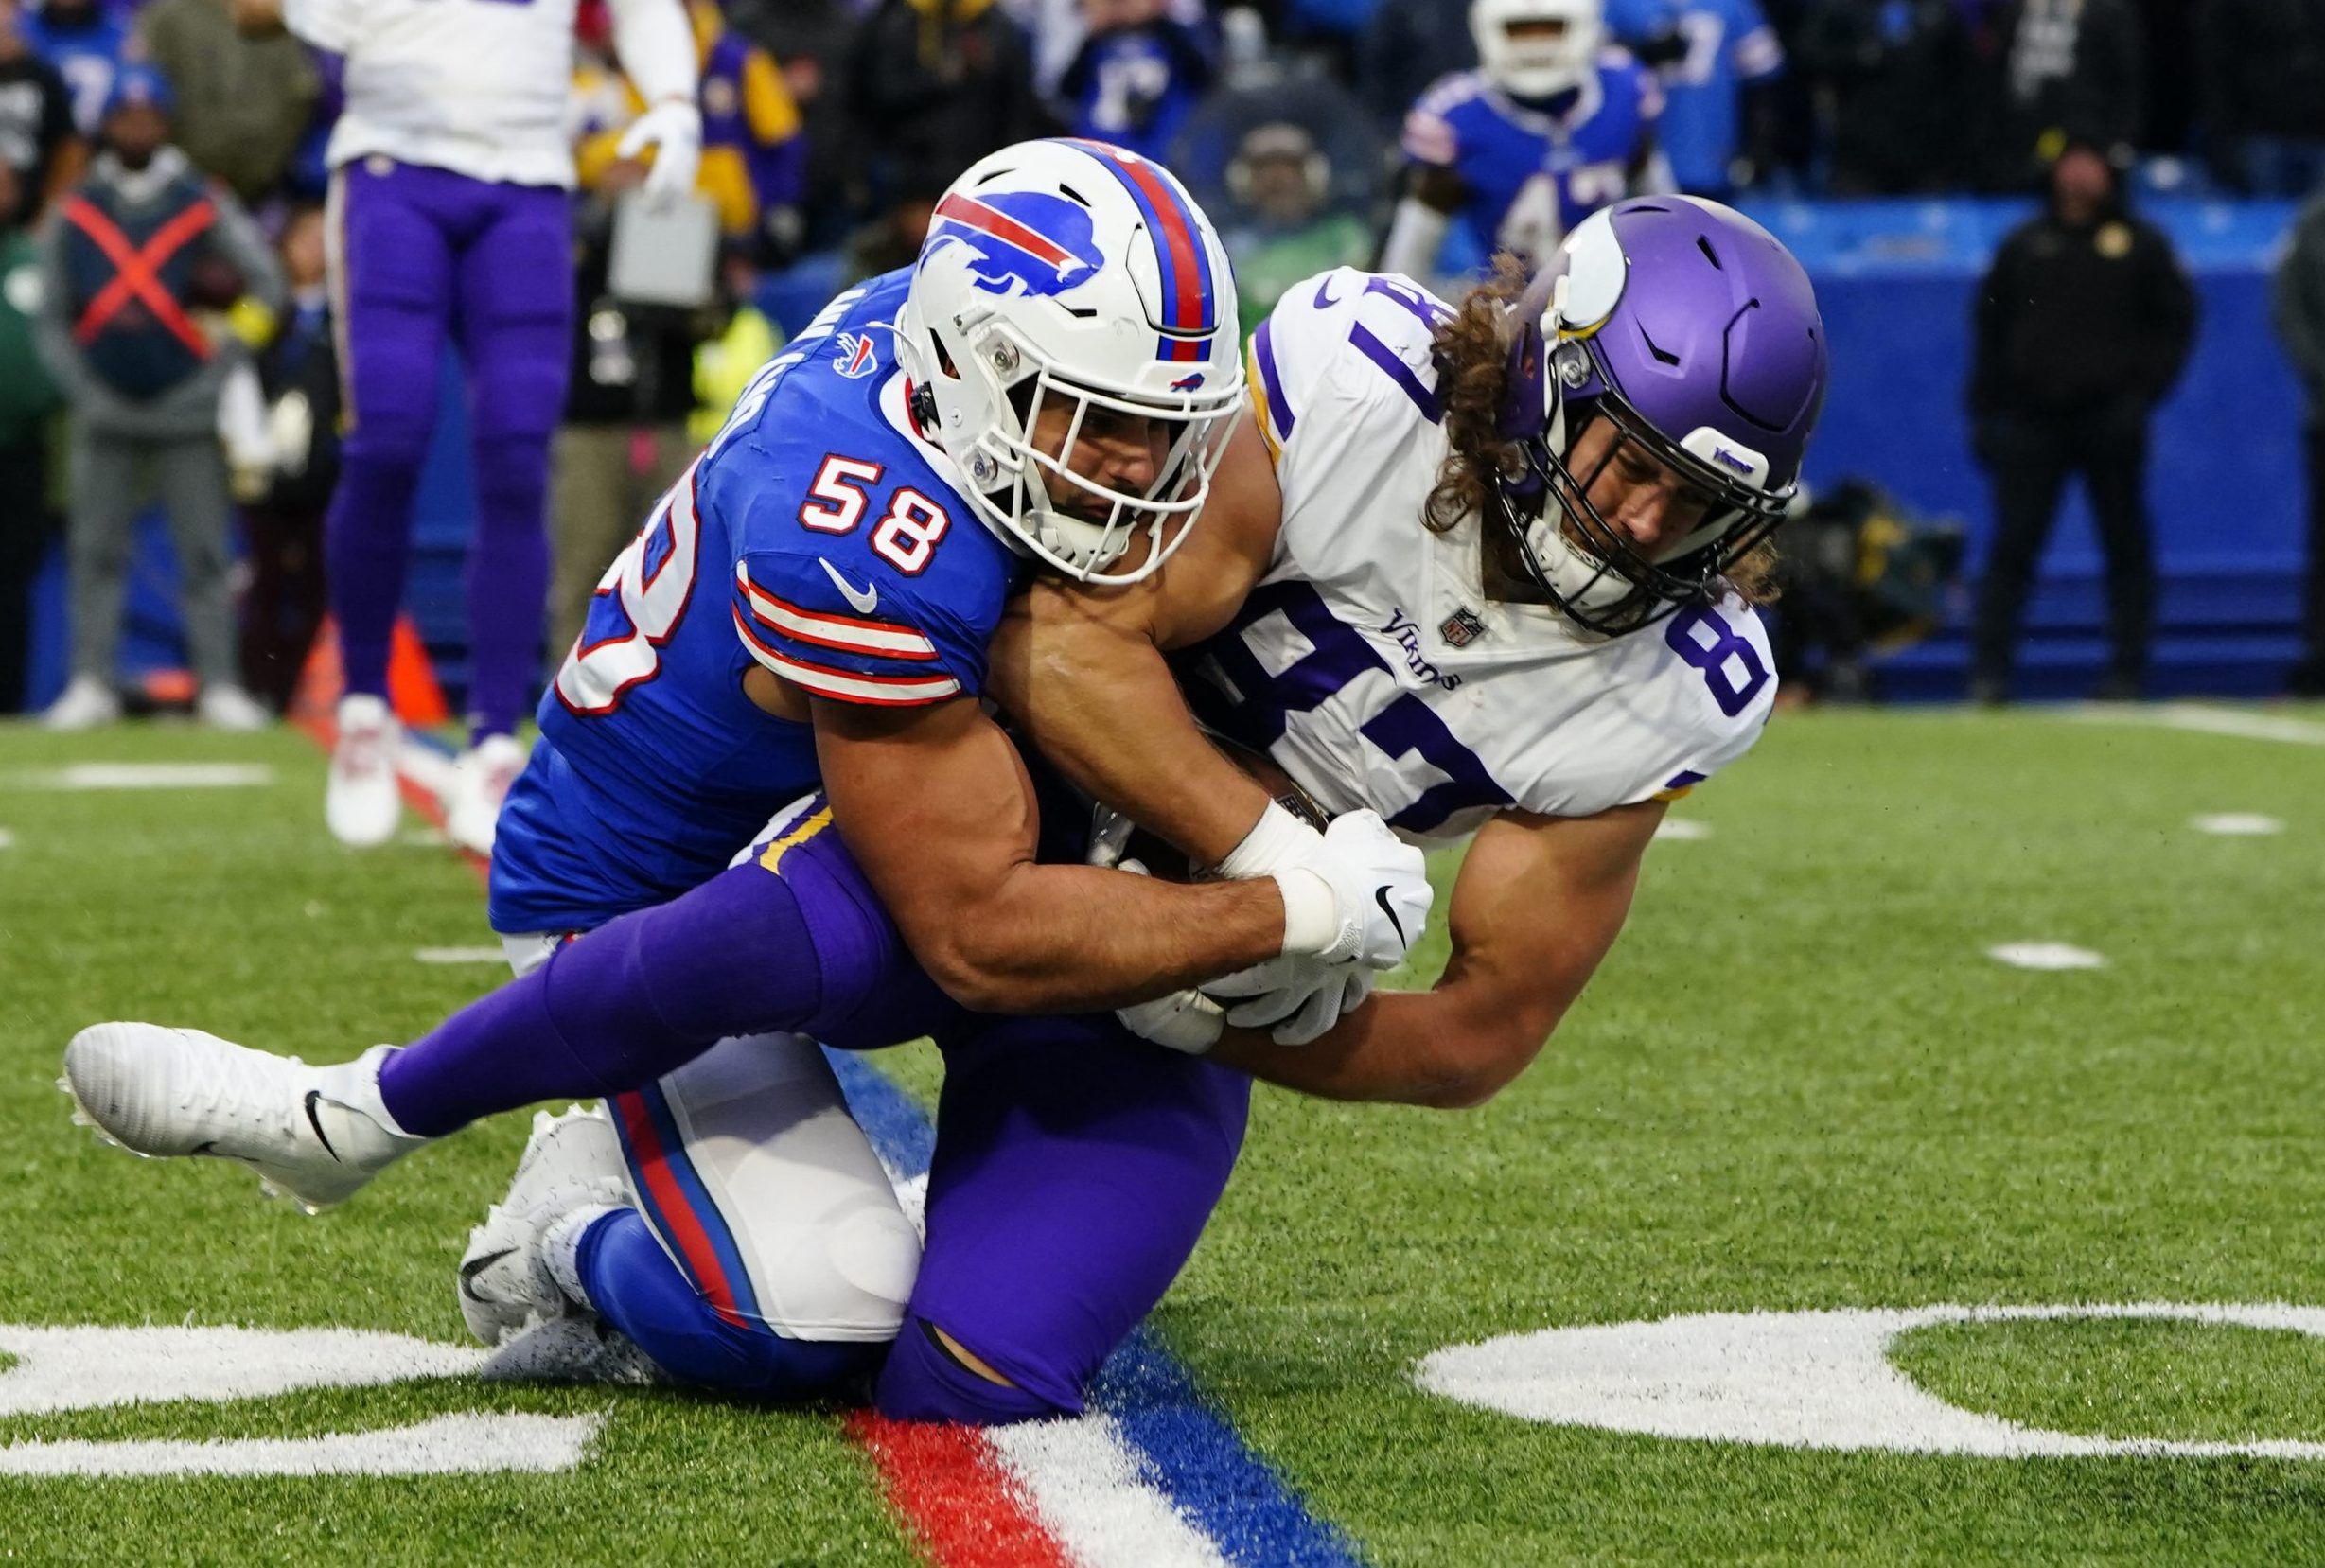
<point x="799" y="633"/>
<point x="1553" y="125"/>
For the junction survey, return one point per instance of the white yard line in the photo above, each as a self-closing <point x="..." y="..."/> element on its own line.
<point x="2045" y="955"/>
<point x="156" y="775"/>
<point x="1093" y="1492"/>
<point x="2202" y="718"/>
<point x="2236" y="825"/>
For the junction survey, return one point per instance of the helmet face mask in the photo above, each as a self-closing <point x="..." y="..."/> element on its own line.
<point x="1693" y="335"/>
<point x="1067" y="286"/>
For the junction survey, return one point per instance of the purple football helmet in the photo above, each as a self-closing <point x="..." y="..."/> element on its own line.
<point x="1695" y="333"/>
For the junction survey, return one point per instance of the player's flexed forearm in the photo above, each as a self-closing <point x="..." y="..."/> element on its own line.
<point x="934" y="806"/>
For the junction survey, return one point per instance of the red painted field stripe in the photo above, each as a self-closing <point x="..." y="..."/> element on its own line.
<point x="954" y="1497"/>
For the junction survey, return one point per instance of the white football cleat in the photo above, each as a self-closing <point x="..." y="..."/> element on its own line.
<point x="481" y="780"/>
<point x="581" y="1348"/>
<point x="362" y="803"/>
<point x="226" y="706"/>
<point x="86" y="703"/>
<point x="571" y="1162"/>
<point x="314" y="1135"/>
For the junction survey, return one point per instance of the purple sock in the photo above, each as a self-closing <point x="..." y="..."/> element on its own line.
<point x="367" y="541"/>
<point x="626" y="1004"/>
<point x="509" y="582"/>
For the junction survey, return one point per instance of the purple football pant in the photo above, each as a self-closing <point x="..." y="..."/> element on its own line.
<point x="421" y="257"/>
<point x="1075" y="1164"/>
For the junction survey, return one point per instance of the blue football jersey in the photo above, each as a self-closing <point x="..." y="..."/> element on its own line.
<point x="1729" y="45"/>
<point x="818" y="536"/>
<point x="1528" y="176"/>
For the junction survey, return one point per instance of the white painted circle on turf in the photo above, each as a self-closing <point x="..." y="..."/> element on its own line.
<point x="1683" y="829"/>
<point x="149" y="775"/>
<point x="460" y="954"/>
<point x="1814" y="1379"/>
<point x="2045" y="955"/>
<point x="2236" y="825"/>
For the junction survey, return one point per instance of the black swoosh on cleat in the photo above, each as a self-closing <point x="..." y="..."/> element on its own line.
<point x="475" y="1266"/>
<point x="316" y="1122"/>
<point x="1380" y="896"/>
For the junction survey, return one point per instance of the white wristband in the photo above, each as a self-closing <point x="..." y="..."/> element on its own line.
<point x="1276" y="840"/>
<point x="1310" y="914"/>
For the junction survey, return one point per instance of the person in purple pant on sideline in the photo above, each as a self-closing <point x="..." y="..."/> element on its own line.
<point x="451" y="173"/>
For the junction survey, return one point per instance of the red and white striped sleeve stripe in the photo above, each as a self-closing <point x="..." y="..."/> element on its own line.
<point x="848" y="633"/>
<point x="890" y="690"/>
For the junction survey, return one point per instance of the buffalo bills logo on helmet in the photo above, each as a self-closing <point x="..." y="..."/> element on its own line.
<point x="1188" y="383"/>
<point x="1023" y="241"/>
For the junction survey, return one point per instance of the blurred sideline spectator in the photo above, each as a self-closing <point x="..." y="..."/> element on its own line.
<point x="2262" y="94"/>
<point x="933" y="85"/>
<point x="1900" y="87"/>
<point x="28" y="403"/>
<point x="1282" y="227"/>
<point x="2069" y="67"/>
<point x="1408" y="46"/>
<point x="298" y="372"/>
<point x="753" y="166"/>
<point x="2297" y="301"/>
<point x="139" y="247"/>
<point x="244" y="104"/>
<point x="1716" y="59"/>
<point x="809" y="40"/>
<point x="87" y="45"/>
<point x="1138" y="75"/>
<point x="623" y="441"/>
<point x="37" y="136"/>
<point x="2083" y="322"/>
<point x="1550" y="126"/>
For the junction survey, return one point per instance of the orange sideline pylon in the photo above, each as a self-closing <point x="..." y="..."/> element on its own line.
<point x="413" y="691"/>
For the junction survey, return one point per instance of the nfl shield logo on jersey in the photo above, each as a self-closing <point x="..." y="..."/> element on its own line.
<point x="1461" y="628"/>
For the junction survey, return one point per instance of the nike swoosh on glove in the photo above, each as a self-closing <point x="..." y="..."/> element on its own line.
<point x="673" y="131"/>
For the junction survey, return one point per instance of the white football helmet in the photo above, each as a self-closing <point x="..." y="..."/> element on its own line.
<point x="1073" y="274"/>
<point x="1537" y="48"/>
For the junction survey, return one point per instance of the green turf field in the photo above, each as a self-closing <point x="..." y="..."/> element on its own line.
<point x="1798" y="1083"/>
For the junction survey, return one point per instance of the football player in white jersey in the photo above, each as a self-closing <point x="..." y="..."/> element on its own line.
<point x="451" y="174"/>
<point x="1488" y="570"/>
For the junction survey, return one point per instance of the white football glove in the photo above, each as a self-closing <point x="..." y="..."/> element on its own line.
<point x="1184" y="1021"/>
<point x="1296" y="1000"/>
<point x="1361" y="894"/>
<point x="673" y="129"/>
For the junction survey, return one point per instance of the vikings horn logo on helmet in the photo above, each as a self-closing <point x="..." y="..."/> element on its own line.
<point x="1024" y="241"/>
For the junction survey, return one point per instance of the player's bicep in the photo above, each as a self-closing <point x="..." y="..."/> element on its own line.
<point x="934" y="804"/>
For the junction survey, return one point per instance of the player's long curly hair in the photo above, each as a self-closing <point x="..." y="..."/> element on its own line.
<point x="1473" y="357"/>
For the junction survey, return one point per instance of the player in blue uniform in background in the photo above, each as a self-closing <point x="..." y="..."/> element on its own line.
<point x="1709" y="55"/>
<point x="1551" y="127"/>
<point x="1053" y="382"/>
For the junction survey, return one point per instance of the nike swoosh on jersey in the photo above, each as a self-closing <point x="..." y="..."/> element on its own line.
<point x="866" y="600"/>
<point x="1323" y="293"/>
<point x="1380" y="896"/>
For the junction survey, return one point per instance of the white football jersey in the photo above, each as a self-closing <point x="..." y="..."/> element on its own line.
<point x="475" y="86"/>
<point x="1369" y="664"/>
